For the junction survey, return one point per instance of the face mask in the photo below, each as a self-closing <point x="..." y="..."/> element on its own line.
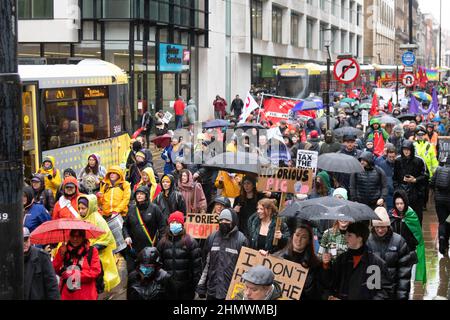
<point x="146" y="271"/>
<point x="224" y="228"/>
<point x="176" y="228"/>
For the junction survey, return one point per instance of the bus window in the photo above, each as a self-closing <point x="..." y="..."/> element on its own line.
<point x="293" y="83"/>
<point x="94" y="114"/>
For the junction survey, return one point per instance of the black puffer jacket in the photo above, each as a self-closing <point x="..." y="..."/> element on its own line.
<point x="222" y="253"/>
<point x="441" y="178"/>
<point x="153" y="220"/>
<point x="355" y="119"/>
<point x="44" y="196"/>
<point x="413" y="166"/>
<point x="368" y="186"/>
<point x="181" y="258"/>
<point x="393" y="249"/>
<point x="173" y="202"/>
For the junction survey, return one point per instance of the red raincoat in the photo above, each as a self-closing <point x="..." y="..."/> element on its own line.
<point x="64" y="208"/>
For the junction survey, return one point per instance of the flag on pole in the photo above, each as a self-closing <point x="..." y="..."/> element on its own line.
<point x="413" y="105"/>
<point x="249" y="106"/>
<point x="434" y="102"/>
<point x="374" y="109"/>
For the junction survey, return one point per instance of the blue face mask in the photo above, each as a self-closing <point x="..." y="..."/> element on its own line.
<point x="176" y="228"/>
<point x="146" y="271"/>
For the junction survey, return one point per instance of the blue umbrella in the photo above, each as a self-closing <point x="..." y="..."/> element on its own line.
<point x="216" y="124"/>
<point x="308" y="104"/>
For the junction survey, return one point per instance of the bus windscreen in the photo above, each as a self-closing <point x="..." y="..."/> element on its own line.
<point x="293" y="83"/>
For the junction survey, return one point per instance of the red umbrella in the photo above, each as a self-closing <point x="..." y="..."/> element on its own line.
<point x="162" y="141"/>
<point x="55" y="231"/>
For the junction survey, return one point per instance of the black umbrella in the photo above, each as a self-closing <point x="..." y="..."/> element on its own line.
<point x="408" y="116"/>
<point x="333" y="121"/>
<point x="348" y="131"/>
<point x="219" y="123"/>
<point x="247" y="125"/>
<point x="240" y="162"/>
<point x="329" y="208"/>
<point x="339" y="162"/>
<point x="388" y="120"/>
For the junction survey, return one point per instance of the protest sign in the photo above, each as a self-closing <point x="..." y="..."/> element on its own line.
<point x="167" y="117"/>
<point x="444" y="148"/>
<point x="288" y="180"/>
<point x="307" y="159"/>
<point x="289" y="275"/>
<point x="201" y="225"/>
<point x="365" y="118"/>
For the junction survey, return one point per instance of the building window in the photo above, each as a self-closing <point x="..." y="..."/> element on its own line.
<point x="343" y="40"/>
<point x="333" y="8"/>
<point x="309" y="33"/>
<point x="322" y="37"/>
<point x="322" y="5"/>
<point x="358" y="15"/>
<point x="350" y="11"/>
<point x="257" y="19"/>
<point x="294" y="29"/>
<point x="343" y="9"/>
<point x="35" y="9"/>
<point x="310" y="2"/>
<point x="276" y="24"/>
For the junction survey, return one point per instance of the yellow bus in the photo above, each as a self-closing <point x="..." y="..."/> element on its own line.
<point x="73" y="110"/>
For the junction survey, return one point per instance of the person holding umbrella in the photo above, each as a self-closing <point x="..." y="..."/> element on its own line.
<point x="261" y="228"/>
<point x="349" y="277"/>
<point x="77" y="263"/>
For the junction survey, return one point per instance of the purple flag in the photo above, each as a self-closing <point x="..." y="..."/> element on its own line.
<point x="435" y="102"/>
<point x="413" y="105"/>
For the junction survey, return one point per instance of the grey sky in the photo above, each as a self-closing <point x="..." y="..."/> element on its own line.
<point x="432" y="6"/>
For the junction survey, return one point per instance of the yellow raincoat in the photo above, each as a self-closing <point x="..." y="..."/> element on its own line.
<point x="54" y="183"/>
<point x="230" y="186"/>
<point x="114" y="198"/>
<point x="111" y="274"/>
<point x="151" y="175"/>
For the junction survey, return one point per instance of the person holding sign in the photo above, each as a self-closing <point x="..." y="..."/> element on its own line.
<point x="300" y="249"/>
<point x="262" y="229"/>
<point x="181" y="258"/>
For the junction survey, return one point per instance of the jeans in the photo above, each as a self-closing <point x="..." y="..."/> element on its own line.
<point x="179" y="122"/>
<point x="218" y="114"/>
<point x="443" y="211"/>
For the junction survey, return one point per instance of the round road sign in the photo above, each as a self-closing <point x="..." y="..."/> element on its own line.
<point x="408" y="58"/>
<point x="408" y="80"/>
<point x="346" y="70"/>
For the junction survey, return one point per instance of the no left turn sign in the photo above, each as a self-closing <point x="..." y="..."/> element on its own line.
<point x="408" y="80"/>
<point x="346" y="70"/>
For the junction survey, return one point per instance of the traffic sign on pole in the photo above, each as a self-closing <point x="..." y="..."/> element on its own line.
<point x="409" y="58"/>
<point x="408" y="80"/>
<point x="346" y="70"/>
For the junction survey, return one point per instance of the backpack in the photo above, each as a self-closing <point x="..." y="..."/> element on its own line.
<point x="443" y="178"/>
<point x="99" y="282"/>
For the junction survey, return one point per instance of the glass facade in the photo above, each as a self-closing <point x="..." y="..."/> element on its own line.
<point x="276" y="24"/>
<point x="35" y="9"/>
<point x="257" y="12"/>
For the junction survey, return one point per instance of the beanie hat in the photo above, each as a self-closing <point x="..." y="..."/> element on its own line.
<point x="383" y="215"/>
<point x="177" y="216"/>
<point x="341" y="192"/>
<point x="226" y="215"/>
<point x="140" y="154"/>
<point x="314" y="134"/>
<point x="166" y="178"/>
<point x="84" y="201"/>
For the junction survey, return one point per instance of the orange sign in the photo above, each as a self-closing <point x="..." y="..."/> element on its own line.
<point x="201" y="225"/>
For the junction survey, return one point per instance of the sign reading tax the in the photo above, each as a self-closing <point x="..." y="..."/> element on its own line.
<point x="307" y="159"/>
<point x="287" y="180"/>
<point x="289" y="275"/>
<point x="170" y="57"/>
<point x="201" y="225"/>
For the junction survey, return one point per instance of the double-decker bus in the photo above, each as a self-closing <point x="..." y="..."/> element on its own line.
<point x="72" y="111"/>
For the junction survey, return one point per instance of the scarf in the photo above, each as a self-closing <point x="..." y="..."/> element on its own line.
<point x="412" y="222"/>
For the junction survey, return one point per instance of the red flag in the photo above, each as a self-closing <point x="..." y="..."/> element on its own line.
<point x="390" y="106"/>
<point x="276" y="109"/>
<point x="374" y="109"/>
<point x="364" y="90"/>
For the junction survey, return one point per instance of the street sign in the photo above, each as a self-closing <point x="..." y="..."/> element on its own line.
<point x="409" y="69"/>
<point x="409" y="58"/>
<point x="346" y="70"/>
<point x="408" y="80"/>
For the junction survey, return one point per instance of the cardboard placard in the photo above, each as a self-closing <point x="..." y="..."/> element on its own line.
<point x="365" y="118"/>
<point x="201" y="225"/>
<point x="307" y="159"/>
<point x="444" y="148"/>
<point x="288" y="180"/>
<point x="167" y="117"/>
<point x="289" y="275"/>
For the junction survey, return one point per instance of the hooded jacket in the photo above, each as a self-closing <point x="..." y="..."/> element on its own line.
<point x="413" y="166"/>
<point x="221" y="254"/>
<point x="54" y="182"/>
<point x="181" y="258"/>
<point x="67" y="208"/>
<point x="408" y="226"/>
<point x="193" y="195"/>
<point x="154" y="187"/>
<point x="441" y="178"/>
<point x="329" y="146"/>
<point x="353" y="121"/>
<point x="153" y="219"/>
<point x="379" y="137"/>
<point x="101" y="170"/>
<point x="114" y="198"/>
<point x="174" y="201"/>
<point x="426" y="151"/>
<point x="191" y="112"/>
<point x="370" y="185"/>
<point x="105" y="243"/>
<point x="44" y="196"/>
<point x="230" y="187"/>
<point x="34" y="214"/>
<point x="311" y="126"/>
<point x="393" y="249"/>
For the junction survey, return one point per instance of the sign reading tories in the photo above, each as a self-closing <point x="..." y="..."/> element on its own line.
<point x="287" y="180"/>
<point x="289" y="275"/>
<point x="171" y="57"/>
<point x="201" y="225"/>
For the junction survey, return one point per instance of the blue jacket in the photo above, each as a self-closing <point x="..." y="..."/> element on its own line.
<point x="169" y="154"/>
<point x="34" y="216"/>
<point x="388" y="169"/>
